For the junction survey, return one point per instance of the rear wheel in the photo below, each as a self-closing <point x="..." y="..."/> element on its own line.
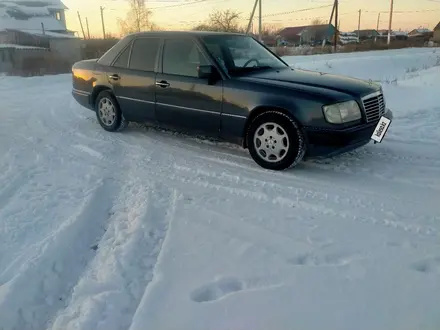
<point x="109" y="114"/>
<point x="275" y="141"/>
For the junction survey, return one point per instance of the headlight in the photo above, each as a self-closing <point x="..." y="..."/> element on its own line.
<point x="342" y="112"/>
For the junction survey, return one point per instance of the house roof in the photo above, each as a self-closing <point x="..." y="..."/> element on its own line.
<point x="420" y="31"/>
<point x="437" y="28"/>
<point x="294" y="31"/>
<point x="53" y="4"/>
<point x="28" y="15"/>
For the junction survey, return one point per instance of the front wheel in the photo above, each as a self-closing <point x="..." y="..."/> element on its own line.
<point x="275" y="141"/>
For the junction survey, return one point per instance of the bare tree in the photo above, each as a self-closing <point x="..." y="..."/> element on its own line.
<point x="318" y="21"/>
<point x="138" y="18"/>
<point x="221" y="21"/>
<point x="270" y="30"/>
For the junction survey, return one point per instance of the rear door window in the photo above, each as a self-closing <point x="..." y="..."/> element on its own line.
<point x="122" y="61"/>
<point x="144" y="53"/>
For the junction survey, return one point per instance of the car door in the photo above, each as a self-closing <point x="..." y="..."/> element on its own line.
<point x="134" y="78"/>
<point x="182" y="99"/>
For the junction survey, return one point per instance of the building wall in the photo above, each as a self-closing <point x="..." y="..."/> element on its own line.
<point x="60" y="15"/>
<point x="24" y="39"/>
<point x="23" y="61"/>
<point x="310" y="35"/>
<point x="5" y="60"/>
<point x="436" y="37"/>
<point x="69" y="50"/>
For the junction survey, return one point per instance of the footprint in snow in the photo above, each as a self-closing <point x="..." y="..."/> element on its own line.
<point x="310" y="259"/>
<point x="217" y="290"/>
<point x="426" y="266"/>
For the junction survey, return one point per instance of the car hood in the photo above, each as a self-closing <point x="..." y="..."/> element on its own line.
<point x="289" y="77"/>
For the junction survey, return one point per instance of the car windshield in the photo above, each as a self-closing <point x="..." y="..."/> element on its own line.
<point x="240" y="55"/>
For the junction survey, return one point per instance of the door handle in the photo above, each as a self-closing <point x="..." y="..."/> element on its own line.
<point x="162" y="84"/>
<point x="114" y="77"/>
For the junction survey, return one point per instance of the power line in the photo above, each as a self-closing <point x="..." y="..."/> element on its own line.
<point x="184" y="4"/>
<point x="309" y="18"/>
<point x="296" y="11"/>
<point x="402" y="11"/>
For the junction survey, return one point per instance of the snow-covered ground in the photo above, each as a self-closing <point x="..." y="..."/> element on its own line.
<point x="153" y="230"/>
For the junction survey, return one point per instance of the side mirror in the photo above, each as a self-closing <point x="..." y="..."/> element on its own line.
<point x="205" y="71"/>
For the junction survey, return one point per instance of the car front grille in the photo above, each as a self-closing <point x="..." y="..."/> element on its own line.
<point x="374" y="106"/>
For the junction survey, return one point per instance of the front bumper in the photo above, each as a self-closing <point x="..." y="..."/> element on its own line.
<point x="328" y="143"/>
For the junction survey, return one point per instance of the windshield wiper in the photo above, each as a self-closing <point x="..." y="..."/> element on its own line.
<point x="250" y="69"/>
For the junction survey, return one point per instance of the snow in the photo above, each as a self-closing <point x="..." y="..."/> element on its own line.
<point x="149" y="229"/>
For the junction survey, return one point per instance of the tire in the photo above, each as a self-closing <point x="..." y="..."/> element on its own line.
<point x="284" y="137"/>
<point x="109" y="113"/>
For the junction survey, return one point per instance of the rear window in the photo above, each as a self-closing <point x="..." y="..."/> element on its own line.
<point x="144" y="53"/>
<point x="110" y="55"/>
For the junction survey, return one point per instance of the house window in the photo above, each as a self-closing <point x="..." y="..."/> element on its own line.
<point x="58" y="16"/>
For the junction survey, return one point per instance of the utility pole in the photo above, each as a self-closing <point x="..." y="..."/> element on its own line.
<point x="260" y="26"/>
<point x="336" y="24"/>
<point x="102" y="20"/>
<point x="87" y="25"/>
<point x="359" y="24"/>
<point x="251" y="20"/>
<point x="377" y="28"/>
<point x="391" y="22"/>
<point x="330" y="21"/>
<point x="378" y="21"/>
<point x="82" y="27"/>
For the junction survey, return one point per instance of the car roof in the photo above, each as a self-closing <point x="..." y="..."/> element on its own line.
<point x="185" y="33"/>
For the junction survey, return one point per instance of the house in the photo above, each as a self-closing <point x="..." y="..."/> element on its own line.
<point x="39" y="25"/>
<point x="419" y="33"/>
<point x="308" y="34"/>
<point x="366" y="34"/>
<point x="436" y="37"/>
<point x="395" y="35"/>
<point x="34" y="15"/>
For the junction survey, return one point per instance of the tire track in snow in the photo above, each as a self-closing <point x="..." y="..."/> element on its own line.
<point x="291" y="196"/>
<point x="302" y="202"/>
<point x="138" y="314"/>
<point x="108" y="295"/>
<point x="31" y="297"/>
<point x="13" y="186"/>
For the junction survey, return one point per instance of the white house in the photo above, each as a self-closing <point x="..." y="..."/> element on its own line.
<point x="33" y="16"/>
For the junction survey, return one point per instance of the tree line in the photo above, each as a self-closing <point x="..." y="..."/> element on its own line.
<point x="139" y="18"/>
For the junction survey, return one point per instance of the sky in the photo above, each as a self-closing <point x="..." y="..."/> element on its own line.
<point x="184" y="14"/>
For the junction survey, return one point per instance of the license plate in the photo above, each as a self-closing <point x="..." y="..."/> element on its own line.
<point x="381" y="129"/>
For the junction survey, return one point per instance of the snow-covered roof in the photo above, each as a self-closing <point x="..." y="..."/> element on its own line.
<point x="400" y="33"/>
<point x="28" y="15"/>
<point x="53" y="4"/>
<point x="3" y="46"/>
<point x="348" y="34"/>
<point x="420" y="31"/>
